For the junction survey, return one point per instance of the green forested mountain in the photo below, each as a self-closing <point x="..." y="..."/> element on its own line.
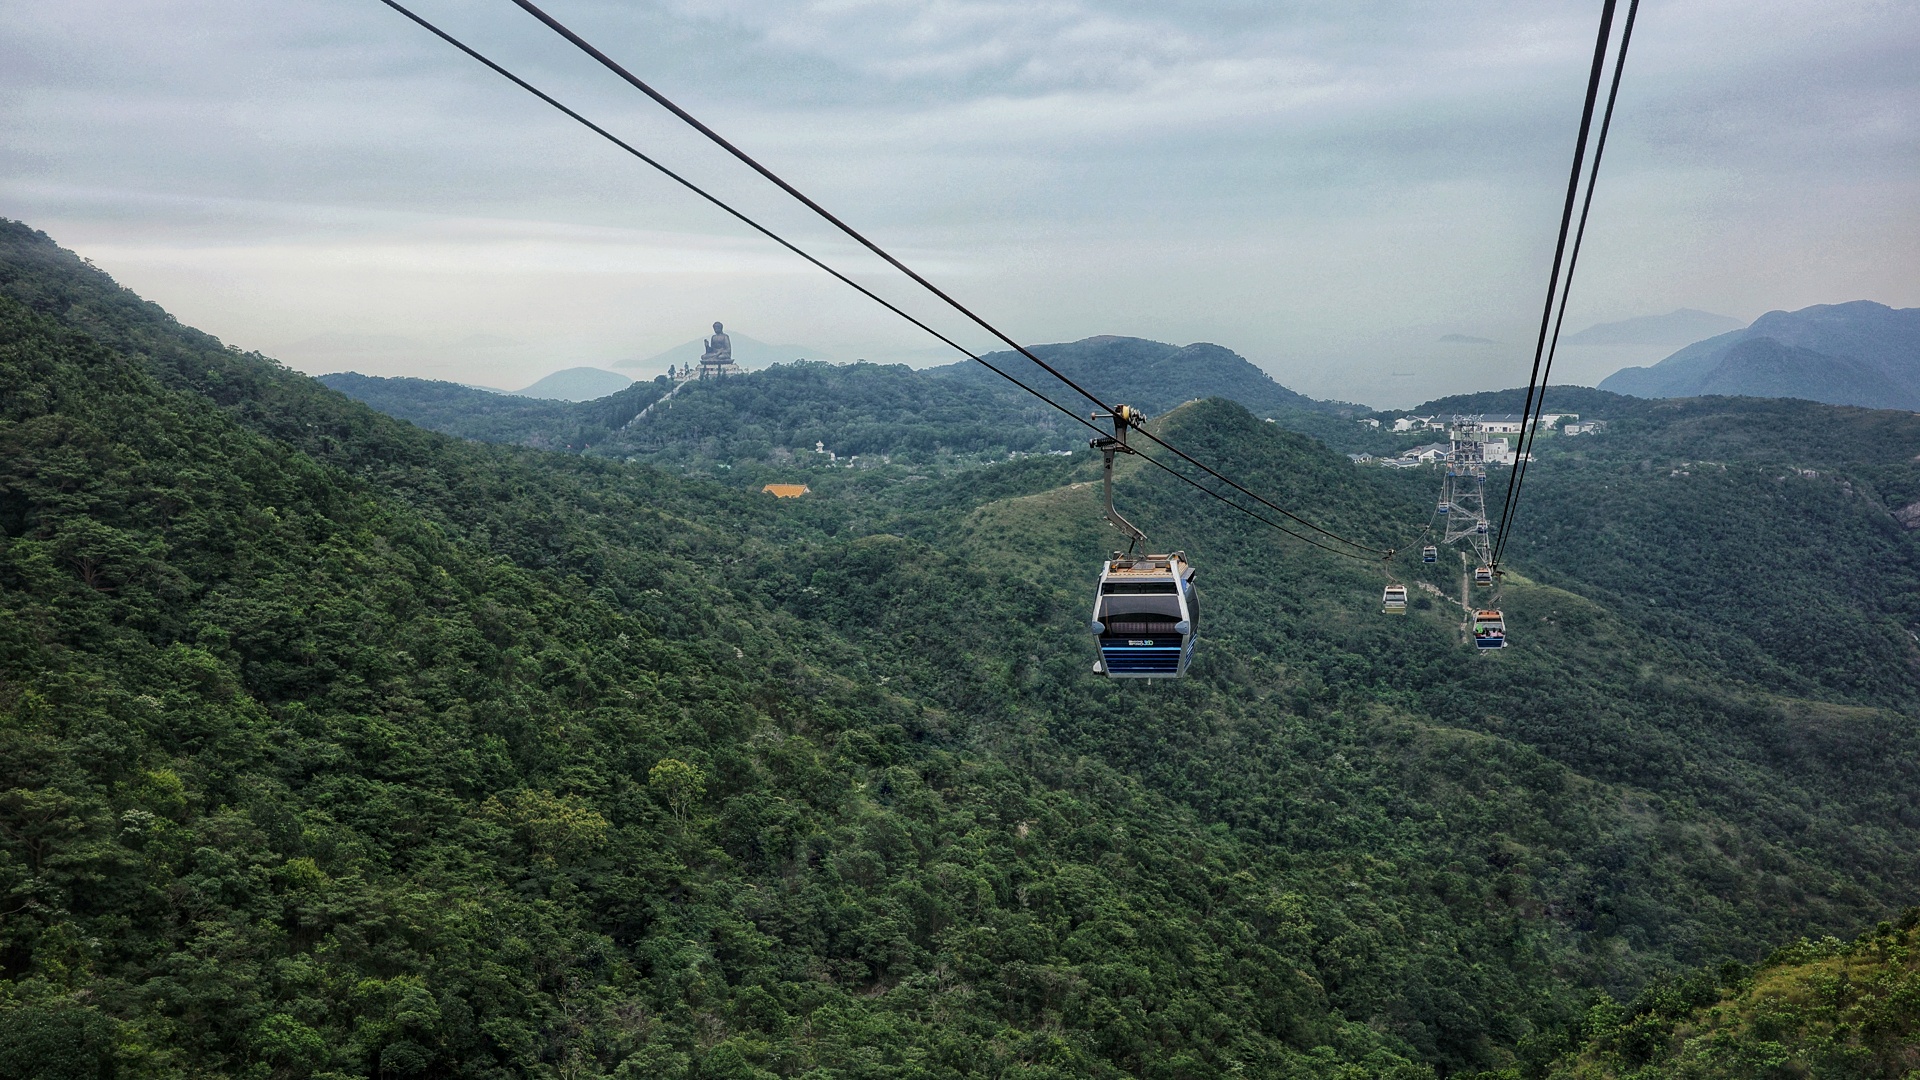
<point x="1815" y="1008"/>
<point x="330" y="746"/>
<point x="485" y="416"/>
<point x="938" y="418"/>
<point x="1150" y="375"/>
<point x="773" y="417"/>
<point x="1769" y="537"/>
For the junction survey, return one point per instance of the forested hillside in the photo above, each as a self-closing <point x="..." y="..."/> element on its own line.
<point x="1772" y="538"/>
<point x="788" y="415"/>
<point x="1815" y="1008"/>
<point x="332" y="746"/>
<point x="941" y="418"/>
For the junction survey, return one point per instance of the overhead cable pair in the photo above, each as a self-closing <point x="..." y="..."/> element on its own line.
<point x="721" y="141"/>
<point x="1555" y="310"/>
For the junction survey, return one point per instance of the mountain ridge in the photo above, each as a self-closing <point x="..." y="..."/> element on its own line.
<point x="576" y="384"/>
<point x="1856" y="353"/>
<point x="1151" y="375"/>
<point x="747" y="351"/>
<point x="861" y="408"/>
<point x="1677" y="327"/>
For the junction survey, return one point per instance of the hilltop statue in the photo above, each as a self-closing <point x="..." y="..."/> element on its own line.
<point x="719" y="348"/>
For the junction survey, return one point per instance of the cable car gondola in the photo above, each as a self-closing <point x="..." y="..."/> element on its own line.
<point x="1443" y="508"/>
<point x="1144" y="616"/>
<point x="1146" y="612"/>
<point x="1394" y="600"/>
<point x="1489" y="630"/>
<point x="1483" y="576"/>
<point x="1430" y="553"/>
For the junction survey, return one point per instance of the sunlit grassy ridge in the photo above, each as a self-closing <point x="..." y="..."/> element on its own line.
<point x="1822" y="1008"/>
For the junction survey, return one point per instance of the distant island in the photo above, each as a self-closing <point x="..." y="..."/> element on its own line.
<point x="1674" y="328"/>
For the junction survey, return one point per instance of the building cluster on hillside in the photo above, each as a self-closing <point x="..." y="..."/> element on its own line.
<point x="1492" y="423"/>
<point x="1495" y="432"/>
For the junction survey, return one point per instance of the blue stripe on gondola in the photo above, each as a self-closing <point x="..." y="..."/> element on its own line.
<point x="1121" y="658"/>
<point x="1144" y="667"/>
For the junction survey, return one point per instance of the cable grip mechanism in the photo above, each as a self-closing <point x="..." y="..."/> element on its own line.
<point x="1125" y="418"/>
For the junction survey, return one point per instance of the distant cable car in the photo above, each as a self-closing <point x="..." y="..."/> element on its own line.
<point x="1394" y="600"/>
<point x="1480" y="527"/>
<point x="1489" y="630"/>
<point x="1145" y="616"/>
<point x="1483" y="576"/>
<point x="1429" y="554"/>
<point x="1444" y="507"/>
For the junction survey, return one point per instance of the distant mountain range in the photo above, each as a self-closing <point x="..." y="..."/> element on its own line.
<point x="1673" y="328"/>
<point x="913" y="414"/>
<point x="1859" y="353"/>
<point x="578" y="384"/>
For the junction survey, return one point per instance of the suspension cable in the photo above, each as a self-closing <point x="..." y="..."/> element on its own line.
<point x="1594" y="76"/>
<point x="721" y="141"/>
<point x="1205" y="490"/>
<point x="716" y="201"/>
<point x="868" y="293"/>
<point x="1529" y="434"/>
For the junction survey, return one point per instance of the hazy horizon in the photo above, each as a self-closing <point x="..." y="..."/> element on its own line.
<point x="1326" y="192"/>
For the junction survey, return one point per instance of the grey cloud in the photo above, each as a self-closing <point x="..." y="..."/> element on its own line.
<point x="1312" y="184"/>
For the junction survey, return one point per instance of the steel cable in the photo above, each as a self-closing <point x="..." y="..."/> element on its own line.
<point x="863" y="290"/>
<point x="721" y="141"/>
<point x="1594" y="76"/>
<point x="1530" y="433"/>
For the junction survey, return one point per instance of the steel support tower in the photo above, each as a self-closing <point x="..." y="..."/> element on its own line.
<point x="1465" y="493"/>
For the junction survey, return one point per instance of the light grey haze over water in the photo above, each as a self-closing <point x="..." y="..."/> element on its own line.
<point x="1328" y="189"/>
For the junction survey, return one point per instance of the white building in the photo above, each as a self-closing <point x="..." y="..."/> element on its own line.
<point x="1495" y="423"/>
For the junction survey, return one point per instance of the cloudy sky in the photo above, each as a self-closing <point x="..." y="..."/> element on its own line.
<point x="1328" y="189"/>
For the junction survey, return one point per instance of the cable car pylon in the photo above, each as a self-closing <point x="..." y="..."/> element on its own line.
<point x="1464" y="494"/>
<point x="1145" y="613"/>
